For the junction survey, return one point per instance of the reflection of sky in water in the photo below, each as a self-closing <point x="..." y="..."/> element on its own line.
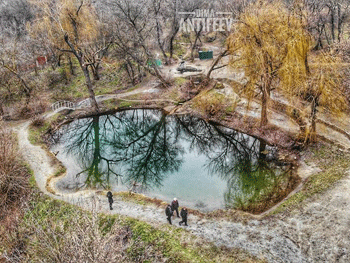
<point x="184" y="148"/>
<point x="193" y="183"/>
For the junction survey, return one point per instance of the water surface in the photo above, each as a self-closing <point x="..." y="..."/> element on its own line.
<point x="205" y="166"/>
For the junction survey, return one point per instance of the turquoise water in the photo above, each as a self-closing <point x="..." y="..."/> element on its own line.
<point x="204" y="166"/>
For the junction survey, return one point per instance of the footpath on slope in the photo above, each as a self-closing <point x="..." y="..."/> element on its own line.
<point x="317" y="232"/>
<point x="336" y="132"/>
<point x="271" y="245"/>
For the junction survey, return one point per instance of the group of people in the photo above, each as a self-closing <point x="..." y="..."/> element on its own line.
<point x="174" y="206"/>
<point x="169" y="210"/>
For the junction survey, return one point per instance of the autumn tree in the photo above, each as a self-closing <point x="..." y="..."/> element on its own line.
<point x="320" y="83"/>
<point x="265" y="39"/>
<point x="74" y="27"/>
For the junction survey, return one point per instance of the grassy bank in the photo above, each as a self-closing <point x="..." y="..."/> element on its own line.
<point x="54" y="231"/>
<point x="334" y="165"/>
<point x="49" y="230"/>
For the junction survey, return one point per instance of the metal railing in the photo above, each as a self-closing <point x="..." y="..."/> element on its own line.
<point x="62" y="105"/>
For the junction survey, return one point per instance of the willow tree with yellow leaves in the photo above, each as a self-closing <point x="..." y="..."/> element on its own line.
<point x="320" y="83"/>
<point x="73" y="26"/>
<point x="273" y="47"/>
<point x="264" y="39"/>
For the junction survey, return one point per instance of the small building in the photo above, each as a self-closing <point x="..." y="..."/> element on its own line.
<point x="41" y="61"/>
<point x="205" y="54"/>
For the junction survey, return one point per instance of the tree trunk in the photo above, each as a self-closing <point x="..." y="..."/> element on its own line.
<point x="262" y="148"/>
<point x="314" y="105"/>
<point x="36" y="69"/>
<point x="131" y="73"/>
<point x="332" y="25"/>
<point x="27" y="90"/>
<point x="171" y="48"/>
<point x="216" y="62"/>
<point x="265" y="90"/>
<point x="195" y="41"/>
<point x="84" y="68"/>
<point x="340" y="22"/>
<point x="131" y="77"/>
<point x="171" y="42"/>
<point x="264" y="100"/>
<point x="160" y="77"/>
<point x="95" y="71"/>
<point x="71" y="68"/>
<point x="160" y="44"/>
<point x="1" y="109"/>
<point x="90" y="87"/>
<point x="97" y="150"/>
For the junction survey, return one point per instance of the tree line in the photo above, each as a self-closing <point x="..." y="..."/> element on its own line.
<point x="290" y="46"/>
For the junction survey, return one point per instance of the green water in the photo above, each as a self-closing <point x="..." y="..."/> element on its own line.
<point x="204" y="166"/>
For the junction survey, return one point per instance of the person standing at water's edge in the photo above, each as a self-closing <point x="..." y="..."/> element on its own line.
<point x="183" y="214"/>
<point x="168" y="213"/>
<point x="110" y="199"/>
<point x="175" y="206"/>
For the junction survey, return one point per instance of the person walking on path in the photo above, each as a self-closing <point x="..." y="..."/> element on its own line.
<point x="175" y="206"/>
<point x="168" y="213"/>
<point x="110" y="199"/>
<point x="183" y="216"/>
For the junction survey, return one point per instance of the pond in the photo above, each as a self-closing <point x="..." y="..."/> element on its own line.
<point x="204" y="166"/>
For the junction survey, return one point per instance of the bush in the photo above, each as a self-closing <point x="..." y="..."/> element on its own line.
<point x="79" y="240"/>
<point x="14" y="192"/>
<point x="210" y="103"/>
<point x="13" y="174"/>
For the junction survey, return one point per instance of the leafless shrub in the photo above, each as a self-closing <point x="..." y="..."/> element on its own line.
<point x="14" y="191"/>
<point x="80" y="241"/>
<point x="210" y="103"/>
<point x="13" y="175"/>
<point x="38" y="121"/>
<point x="35" y="107"/>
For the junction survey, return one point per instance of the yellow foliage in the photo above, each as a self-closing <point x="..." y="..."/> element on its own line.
<point x="74" y="18"/>
<point x="326" y="81"/>
<point x="272" y="46"/>
<point x="269" y="41"/>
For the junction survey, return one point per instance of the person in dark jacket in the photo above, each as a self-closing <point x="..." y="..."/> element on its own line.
<point x="175" y="206"/>
<point x="110" y="199"/>
<point x="168" y="213"/>
<point x="183" y="216"/>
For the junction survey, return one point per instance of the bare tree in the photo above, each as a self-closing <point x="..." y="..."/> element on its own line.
<point x="326" y="19"/>
<point x="74" y="27"/>
<point x="135" y="34"/>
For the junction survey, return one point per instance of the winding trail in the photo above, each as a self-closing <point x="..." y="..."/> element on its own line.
<point x="319" y="232"/>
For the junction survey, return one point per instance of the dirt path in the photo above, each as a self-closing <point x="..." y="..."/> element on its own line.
<point x="319" y="232"/>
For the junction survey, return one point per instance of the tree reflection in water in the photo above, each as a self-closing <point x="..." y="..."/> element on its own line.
<point x="241" y="161"/>
<point x="145" y="146"/>
<point x="137" y="145"/>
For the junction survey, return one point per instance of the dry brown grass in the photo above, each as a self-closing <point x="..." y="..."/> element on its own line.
<point x="79" y="241"/>
<point x="13" y="174"/>
<point x="14" y="191"/>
